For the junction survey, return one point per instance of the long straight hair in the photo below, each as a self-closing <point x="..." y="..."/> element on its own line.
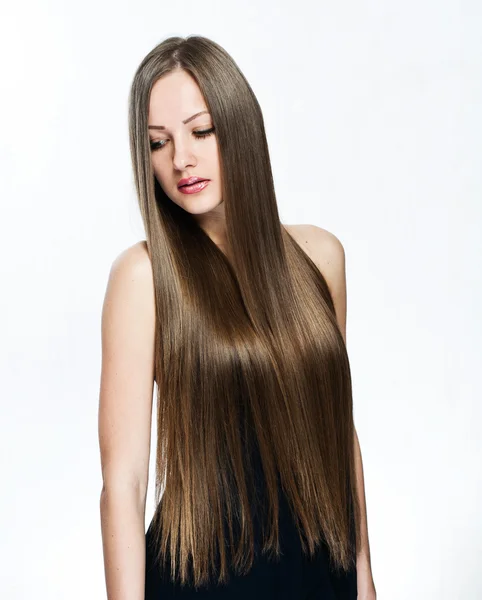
<point x="246" y="349"/>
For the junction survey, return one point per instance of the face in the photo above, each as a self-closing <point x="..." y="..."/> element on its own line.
<point x="183" y="143"/>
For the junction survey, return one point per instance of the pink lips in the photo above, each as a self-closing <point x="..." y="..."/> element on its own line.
<point x="192" y="185"/>
<point x="189" y="180"/>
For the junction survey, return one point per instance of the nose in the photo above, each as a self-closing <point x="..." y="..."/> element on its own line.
<point x="183" y="156"/>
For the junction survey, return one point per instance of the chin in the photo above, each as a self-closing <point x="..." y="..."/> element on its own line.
<point x="196" y="205"/>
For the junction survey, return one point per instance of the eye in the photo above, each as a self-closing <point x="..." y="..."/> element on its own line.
<point x="204" y="133"/>
<point x="198" y="134"/>
<point x="156" y="145"/>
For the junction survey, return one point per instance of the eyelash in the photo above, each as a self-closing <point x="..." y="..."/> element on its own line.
<point x="198" y="134"/>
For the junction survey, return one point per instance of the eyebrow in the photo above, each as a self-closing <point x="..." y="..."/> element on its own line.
<point x="185" y="121"/>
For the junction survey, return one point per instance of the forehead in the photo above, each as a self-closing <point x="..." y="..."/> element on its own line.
<point x="174" y="97"/>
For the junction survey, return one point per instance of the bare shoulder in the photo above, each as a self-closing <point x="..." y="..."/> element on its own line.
<point x="322" y="246"/>
<point x="130" y="287"/>
<point x="134" y="259"/>
<point x="328" y="254"/>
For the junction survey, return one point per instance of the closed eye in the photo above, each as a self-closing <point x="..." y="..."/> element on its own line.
<point x="198" y="134"/>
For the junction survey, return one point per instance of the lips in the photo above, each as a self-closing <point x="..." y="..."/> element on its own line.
<point x="194" y="188"/>
<point x="190" y="181"/>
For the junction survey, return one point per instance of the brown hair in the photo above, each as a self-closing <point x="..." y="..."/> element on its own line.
<point x="246" y="349"/>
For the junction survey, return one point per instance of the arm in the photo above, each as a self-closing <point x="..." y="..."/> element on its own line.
<point x="125" y="405"/>
<point x="329" y="255"/>
<point x="364" y="567"/>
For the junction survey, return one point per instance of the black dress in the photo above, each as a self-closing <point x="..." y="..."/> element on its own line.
<point x="295" y="576"/>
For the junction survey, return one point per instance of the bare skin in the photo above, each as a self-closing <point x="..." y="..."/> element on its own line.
<point x="179" y="151"/>
<point x="128" y="321"/>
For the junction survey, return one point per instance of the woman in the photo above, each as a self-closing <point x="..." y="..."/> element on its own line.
<point x="240" y="321"/>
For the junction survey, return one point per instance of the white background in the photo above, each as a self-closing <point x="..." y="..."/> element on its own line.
<point x="373" y="113"/>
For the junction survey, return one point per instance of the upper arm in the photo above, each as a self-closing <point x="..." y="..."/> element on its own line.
<point x="327" y="252"/>
<point x="127" y="375"/>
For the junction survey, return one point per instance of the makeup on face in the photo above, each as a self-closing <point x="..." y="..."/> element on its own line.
<point x="197" y="134"/>
<point x="194" y="188"/>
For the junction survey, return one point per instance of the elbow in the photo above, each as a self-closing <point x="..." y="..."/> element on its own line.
<point x="130" y="494"/>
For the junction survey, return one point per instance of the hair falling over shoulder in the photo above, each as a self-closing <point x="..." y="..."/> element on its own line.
<point x="244" y="347"/>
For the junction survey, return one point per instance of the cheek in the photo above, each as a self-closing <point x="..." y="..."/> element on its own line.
<point x="214" y="161"/>
<point x="160" y="174"/>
